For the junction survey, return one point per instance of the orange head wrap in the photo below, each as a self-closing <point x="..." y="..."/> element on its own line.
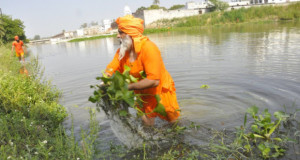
<point x="16" y="38"/>
<point x="134" y="28"/>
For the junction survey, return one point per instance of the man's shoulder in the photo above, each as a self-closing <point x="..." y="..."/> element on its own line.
<point x="149" y="44"/>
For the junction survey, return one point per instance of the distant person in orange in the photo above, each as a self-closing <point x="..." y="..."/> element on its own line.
<point x="141" y="54"/>
<point x="18" y="45"/>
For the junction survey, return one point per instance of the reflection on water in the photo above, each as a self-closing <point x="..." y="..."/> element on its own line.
<point x="244" y="65"/>
<point x="23" y="70"/>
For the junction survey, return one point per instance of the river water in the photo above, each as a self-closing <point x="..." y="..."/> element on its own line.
<point x="243" y="65"/>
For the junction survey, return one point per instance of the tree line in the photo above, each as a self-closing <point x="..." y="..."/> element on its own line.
<point x="10" y="27"/>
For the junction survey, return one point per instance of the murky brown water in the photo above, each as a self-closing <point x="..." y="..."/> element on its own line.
<point x="245" y="65"/>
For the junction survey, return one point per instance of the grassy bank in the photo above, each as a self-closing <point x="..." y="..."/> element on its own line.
<point x="243" y="15"/>
<point x="31" y="117"/>
<point x="91" y="38"/>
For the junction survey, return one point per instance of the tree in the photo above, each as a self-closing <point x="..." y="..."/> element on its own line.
<point x="84" y="25"/>
<point x="2" y="31"/>
<point x="114" y="25"/>
<point x="93" y="23"/>
<point x="10" y="28"/>
<point x="141" y="9"/>
<point x="177" y="6"/>
<point x="37" y="37"/>
<point x="153" y="7"/>
<point x="155" y="2"/>
<point x="218" y="5"/>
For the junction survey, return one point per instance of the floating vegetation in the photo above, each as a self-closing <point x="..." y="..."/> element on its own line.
<point x="204" y="86"/>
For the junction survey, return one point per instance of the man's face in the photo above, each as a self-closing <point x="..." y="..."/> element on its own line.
<point x="126" y="43"/>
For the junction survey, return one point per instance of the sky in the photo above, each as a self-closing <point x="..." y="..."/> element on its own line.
<point x="49" y="17"/>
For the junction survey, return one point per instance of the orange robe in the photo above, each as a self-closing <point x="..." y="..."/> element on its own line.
<point x="150" y="61"/>
<point x="18" y="46"/>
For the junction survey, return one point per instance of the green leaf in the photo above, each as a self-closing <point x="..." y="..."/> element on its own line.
<point x="159" y="108"/>
<point x="245" y="119"/>
<point x="255" y="128"/>
<point x="276" y="155"/>
<point x="247" y="147"/>
<point x="126" y="69"/>
<point x="118" y="80"/>
<point x="132" y="79"/>
<point x="273" y="129"/>
<point x="103" y="74"/>
<point x="143" y="74"/>
<point x="252" y="110"/>
<point x="280" y="115"/>
<point x="266" y="152"/>
<point x="258" y="136"/>
<point x="105" y="80"/>
<point x="261" y="147"/>
<point x="204" y="86"/>
<point x="278" y="139"/>
<point x="129" y="102"/>
<point x="92" y="99"/>
<point x="118" y="95"/>
<point x="123" y="113"/>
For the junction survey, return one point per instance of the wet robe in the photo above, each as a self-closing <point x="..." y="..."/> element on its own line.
<point x="150" y="61"/>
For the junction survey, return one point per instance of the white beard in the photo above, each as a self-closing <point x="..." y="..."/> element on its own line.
<point x="126" y="44"/>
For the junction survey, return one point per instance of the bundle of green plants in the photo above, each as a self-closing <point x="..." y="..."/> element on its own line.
<point x="114" y="91"/>
<point x="123" y="105"/>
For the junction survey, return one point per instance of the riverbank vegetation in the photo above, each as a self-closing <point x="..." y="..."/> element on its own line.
<point x="92" y="38"/>
<point x="31" y="116"/>
<point x="243" y="15"/>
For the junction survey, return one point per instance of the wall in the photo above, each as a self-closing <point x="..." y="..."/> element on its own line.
<point x="157" y="14"/>
<point x="196" y="5"/>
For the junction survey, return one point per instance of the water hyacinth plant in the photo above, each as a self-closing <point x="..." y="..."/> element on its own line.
<point x="115" y="88"/>
<point x="262" y="136"/>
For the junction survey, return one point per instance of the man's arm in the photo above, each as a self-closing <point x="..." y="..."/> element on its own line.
<point x="143" y="84"/>
<point x="113" y="65"/>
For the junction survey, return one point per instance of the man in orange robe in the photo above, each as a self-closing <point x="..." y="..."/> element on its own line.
<point x="18" y="45"/>
<point x="141" y="54"/>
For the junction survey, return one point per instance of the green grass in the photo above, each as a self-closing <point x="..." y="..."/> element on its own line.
<point x="253" y="14"/>
<point x="92" y="38"/>
<point x="31" y="116"/>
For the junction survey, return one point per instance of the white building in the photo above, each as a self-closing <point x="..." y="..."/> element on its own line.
<point x="197" y="5"/>
<point x="80" y="32"/>
<point x="107" y="24"/>
<point x="70" y="34"/>
<point x="202" y="7"/>
<point x="238" y="3"/>
<point x="270" y="1"/>
<point x="158" y="14"/>
<point x="93" y="30"/>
